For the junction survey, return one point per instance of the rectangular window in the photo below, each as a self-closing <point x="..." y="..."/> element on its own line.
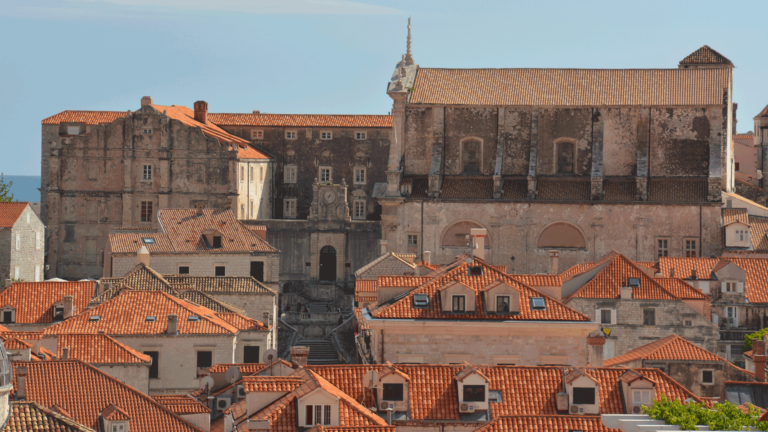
<point x="251" y="209"/>
<point x="359" y="209"/>
<point x="731" y="315"/>
<point x="688" y="323"/>
<point x="154" y="369"/>
<point x="605" y="316"/>
<point x="18" y="241"/>
<point x="289" y="208"/>
<point x="291" y="135"/>
<point x="359" y="175"/>
<point x="413" y="240"/>
<point x="261" y="174"/>
<point x="459" y="303"/>
<point x="707" y="377"/>
<point x="217" y="241"/>
<point x="289" y="175"/>
<point x="649" y="317"/>
<point x="309" y="415"/>
<point x="641" y="397"/>
<point x="242" y="173"/>
<point x="502" y="304"/>
<point x="204" y="359"/>
<point x="327" y="416"/>
<point x="360" y="135"/>
<point x="73" y="130"/>
<point x="251" y="177"/>
<point x="251" y="354"/>
<point x="662" y="248"/>
<point x="146" y="211"/>
<point x="393" y="392"/>
<point x="735" y="351"/>
<point x="220" y="271"/>
<point x="183" y="269"/>
<point x="731" y="287"/>
<point x="37" y="240"/>
<point x="147" y="172"/>
<point x="737" y="166"/>
<point x="474" y="393"/>
<point x="690" y="248"/>
<point x="16" y="273"/>
<point x="583" y="395"/>
<point x="257" y="134"/>
<point x="325" y="175"/>
<point x="146" y="131"/>
<point x="7" y="317"/>
<point x="326" y="135"/>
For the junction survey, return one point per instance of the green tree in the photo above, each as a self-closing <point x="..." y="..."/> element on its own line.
<point x="722" y="417"/>
<point x="756" y="335"/>
<point x="5" y="190"/>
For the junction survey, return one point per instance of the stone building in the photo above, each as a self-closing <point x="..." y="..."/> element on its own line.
<point x="581" y="161"/>
<point x="32" y="306"/>
<point x="22" y="243"/>
<point x="695" y="368"/>
<point x="202" y="242"/>
<point x="105" y="170"/>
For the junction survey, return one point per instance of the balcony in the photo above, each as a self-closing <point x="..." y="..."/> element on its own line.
<point x="734" y="335"/>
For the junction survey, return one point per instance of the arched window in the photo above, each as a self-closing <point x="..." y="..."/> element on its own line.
<point x="561" y="235"/>
<point x="471" y="153"/>
<point x="458" y="234"/>
<point x="565" y="157"/>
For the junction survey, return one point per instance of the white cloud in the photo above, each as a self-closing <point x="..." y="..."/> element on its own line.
<point x="336" y="7"/>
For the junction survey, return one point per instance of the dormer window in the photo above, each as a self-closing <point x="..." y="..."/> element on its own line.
<point x="456" y="297"/>
<point x="58" y="314"/>
<point x="474" y="393"/>
<point x="501" y="298"/>
<point x="582" y="392"/>
<point x="583" y="395"/>
<point x="317" y="414"/>
<point x="9" y="315"/>
<point x="217" y="241"/>
<point x="393" y="392"/>
<point x="633" y="282"/>
<point x="458" y="303"/>
<point x="95" y="318"/>
<point x="502" y="304"/>
<point x="475" y="270"/>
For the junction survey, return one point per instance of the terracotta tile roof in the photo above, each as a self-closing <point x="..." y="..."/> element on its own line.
<point x="669" y="348"/>
<point x="34" y="301"/>
<point x="365" y="286"/>
<point x="23" y="335"/>
<point x="607" y="282"/>
<point x="142" y="304"/>
<point x="221" y="284"/>
<point x="15" y="344"/>
<point x="99" y="349"/>
<point x="677" y="190"/>
<point x="403" y="281"/>
<point x="419" y="186"/>
<point x="467" y="188"/>
<point x="526" y="390"/>
<point x="10" y="212"/>
<point x="87" y="117"/>
<point x="30" y="416"/>
<point x="574" y="87"/>
<point x="705" y="55"/>
<point x="271" y="384"/>
<point x="50" y="383"/>
<point x="132" y="242"/>
<point x="536" y="280"/>
<point x="744" y="136"/>
<point x="684" y="266"/>
<point x="403" y="308"/>
<point x="141" y="278"/>
<point x="181" y="404"/>
<point x="427" y="265"/>
<point x="620" y="190"/>
<point x="549" y="423"/>
<point x="321" y="428"/>
<point x="680" y="289"/>
<point x="757" y="189"/>
<point x="207" y="301"/>
<point x="302" y="120"/>
<point x="245" y="368"/>
<point x="731" y="215"/>
<point x="759" y="233"/>
<point x="242" y="322"/>
<point x="576" y="270"/>
<point x="187" y="117"/>
<point x="756" y="287"/>
<point x="564" y="189"/>
<point x="113" y="412"/>
<point x="515" y="189"/>
<point x="653" y="265"/>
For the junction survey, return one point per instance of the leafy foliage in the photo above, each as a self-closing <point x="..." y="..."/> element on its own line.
<point x="756" y="335"/>
<point x="5" y="190"/>
<point x="724" y="417"/>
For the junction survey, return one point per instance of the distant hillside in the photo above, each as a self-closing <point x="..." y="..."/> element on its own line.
<point x="24" y="188"/>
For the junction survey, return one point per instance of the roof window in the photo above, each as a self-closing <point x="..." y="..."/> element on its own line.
<point x="421" y="301"/>
<point x="95" y="318"/>
<point x="148" y="240"/>
<point x="475" y="270"/>
<point x="193" y="318"/>
<point x="217" y="241"/>
<point x="151" y="319"/>
<point x="538" y="303"/>
<point x="633" y="282"/>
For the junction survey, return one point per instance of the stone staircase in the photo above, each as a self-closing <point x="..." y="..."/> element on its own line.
<point x="321" y="351"/>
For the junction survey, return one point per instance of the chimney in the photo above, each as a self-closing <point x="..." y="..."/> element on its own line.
<point x="146" y="100"/>
<point x="672" y="272"/>
<point x="173" y="324"/>
<point x="8" y="283"/>
<point x="256" y="112"/>
<point x="383" y="244"/>
<point x="299" y="355"/>
<point x="554" y="262"/>
<point x="427" y="257"/>
<point x="68" y="308"/>
<point x="266" y="318"/>
<point x="21" y="382"/>
<point x="201" y="112"/>
<point x="478" y="242"/>
<point x="142" y="257"/>
<point x="693" y="273"/>
<point x="596" y="341"/>
<point x="625" y="293"/>
<point x="758" y="356"/>
<point x="65" y="353"/>
<point x="199" y="209"/>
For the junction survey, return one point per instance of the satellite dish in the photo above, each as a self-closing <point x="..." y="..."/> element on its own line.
<point x="232" y="375"/>
<point x="370" y="379"/>
<point x="205" y="383"/>
<point x="270" y="356"/>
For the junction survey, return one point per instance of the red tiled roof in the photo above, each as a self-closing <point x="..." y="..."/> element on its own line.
<point x="684" y="266"/>
<point x="10" y="212"/>
<point x="32" y="417"/>
<point x="758" y="233"/>
<point x="535" y="280"/>
<point x="221" y="284"/>
<point x="99" y="349"/>
<point x="677" y="190"/>
<point x="245" y="368"/>
<point x="681" y="289"/>
<point x="131" y="242"/>
<point x="576" y="270"/>
<point x="705" y="55"/>
<point x="206" y="300"/>
<point x="139" y="278"/>
<point x="756" y="286"/>
<point x="302" y="120"/>
<point x="142" y="304"/>
<point x="242" y="322"/>
<point x="548" y="423"/>
<point x="365" y="285"/>
<point x="185" y="230"/>
<point x="672" y="347"/>
<point x="182" y="404"/>
<point x="187" y="117"/>
<point x="50" y="383"/>
<point x="87" y="117"/>
<point x="403" y="308"/>
<point x="608" y="281"/>
<point x="34" y="301"/>
<point x="563" y="189"/>
<point x="403" y="281"/>
<point x="271" y="384"/>
<point x="15" y="344"/>
<point x="731" y="215"/>
<point x="113" y="412"/>
<point x="748" y="135"/>
<point x="570" y="87"/>
<point x="467" y="188"/>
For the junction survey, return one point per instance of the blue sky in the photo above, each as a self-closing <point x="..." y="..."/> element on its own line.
<point x="330" y="56"/>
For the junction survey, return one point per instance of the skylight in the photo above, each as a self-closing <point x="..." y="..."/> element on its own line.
<point x="538" y="303"/>
<point x="96" y="318"/>
<point x="151" y="319"/>
<point x="148" y="240"/>
<point x="634" y="282"/>
<point x="193" y="318"/>
<point x="420" y="301"/>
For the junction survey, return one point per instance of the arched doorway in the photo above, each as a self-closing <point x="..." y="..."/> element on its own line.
<point x="328" y="264"/>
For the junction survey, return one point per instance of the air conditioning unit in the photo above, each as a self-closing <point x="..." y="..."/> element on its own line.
<point x="240" y="391"/>
<point x="637" y="409"/>
<point x="573" y="409"/>
<point x="223" y="403"/>
<point x="466" y="408"/>
<point x="383" y="406"/>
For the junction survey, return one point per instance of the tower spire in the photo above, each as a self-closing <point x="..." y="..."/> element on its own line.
<point x="408" y="57"/>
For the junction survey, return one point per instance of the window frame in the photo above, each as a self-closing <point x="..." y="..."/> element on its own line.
<point x="257" y="134"/>
<point x="183" y="267"/>
<point x="462" y="303"/>
<point x="690" y="247"/>
<point x="320" y="171"/>
<point x="642" y="393"/>
<point x="364" y="136"/>
<point x="289" y="204"/>
<point x="70" y="129"/>
<point x="197" y="359"/>
<point x="290" y="135"/>
<point x="662" y="251"/>
<point x="155" y="366"/>
<point x="362" y="213"/>
<point x="146" y="211"/>
<point x="146" y="172"/>
<point x="324" y="137"/>
<point x="509" y="303"/>
<point x="712" y="377"/>
<point x="397" y="396"/>
<point x="37" y="240"/>
<point x="364" y="177"/>
<point x="412" y="239"/>
<point x="581" y="389"/>
<point x="18" y="241"/>
<point x="290" y="173"/>
<point x="216" y="270"/>
<point x="473" y="392"/>
<point x="646" y="314"/>
<point x="602" y="316"/>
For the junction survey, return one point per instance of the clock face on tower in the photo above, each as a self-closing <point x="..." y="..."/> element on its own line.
<point x="329" y="196"/>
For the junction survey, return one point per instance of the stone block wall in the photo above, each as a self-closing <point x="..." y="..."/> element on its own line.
<point x="390" y="266"/>
<point x="29" y="259"/>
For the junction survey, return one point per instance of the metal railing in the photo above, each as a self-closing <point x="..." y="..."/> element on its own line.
<point x="734" y="335"/>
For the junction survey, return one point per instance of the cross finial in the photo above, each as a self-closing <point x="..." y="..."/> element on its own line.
<point x="408" y="56"/>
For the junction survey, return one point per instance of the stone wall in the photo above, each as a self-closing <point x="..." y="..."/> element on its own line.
<point x="136" y="376"/>
<point x="390" y="266"/>
<point x="29" y="259"/>
<point x="688" y="374"/>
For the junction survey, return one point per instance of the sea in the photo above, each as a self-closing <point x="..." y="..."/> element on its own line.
<point x="24" y="188"/>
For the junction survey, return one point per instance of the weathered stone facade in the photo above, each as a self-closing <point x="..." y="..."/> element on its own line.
<point x="22" y="245"/>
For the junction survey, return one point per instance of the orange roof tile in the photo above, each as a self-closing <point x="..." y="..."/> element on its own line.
<point x="731" y="215"/>
<point x="139" y="278"/>
<point x="87" y="117"/>
<point x="467" y="188"/>
<point x="684" y="266"/>
<point x="759" y="233"/>
<point x="114" y="412"/>
<point x="32" y="417"/>
<point x="221" y="284"/>
<point x="10" y="212"/>
<point x="271" y="383"/>
<point x="182" y="404"/>
<point x="15" y="344"/>
<point x="756" y="286"/>
<point x="403" y="308"/>
<point x="242" y="322"/>
<point x="576" y="269"/>
<point x="187" y="117"/>
<point x="50" y="383"/>
<point x="142" y="304"/>
<point x="747" y="135"/>
<point x="549" y="423"/>
<point x="570" y="87"/>
<point x="206" y="300"/>
<point x="321" y="428"/>
<point x="681" y="289"/>
<point x="672" y="347"/>
<point x="403" y="281"/>
<point x="245" y="368"/>
<point x="705" y="55"/>
<point x="365" y="286"/>
<point x="299" y="120"/>
<point x="99" y="349"/>
<point x="536" y="280"/>
<point x="34" y="301"/>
